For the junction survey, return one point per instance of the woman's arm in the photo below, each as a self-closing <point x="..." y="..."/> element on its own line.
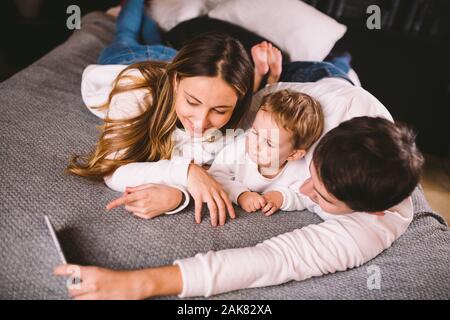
<point x="190" y="178"/>
<point x="96" y="85"/>
<point x="151" y="200"/>
<point x="170" y="172"/>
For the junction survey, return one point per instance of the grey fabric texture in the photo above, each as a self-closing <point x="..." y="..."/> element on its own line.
<point x="43" y="121"/>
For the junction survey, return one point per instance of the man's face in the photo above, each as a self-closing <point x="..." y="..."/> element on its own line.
<point x="315" y="190"/>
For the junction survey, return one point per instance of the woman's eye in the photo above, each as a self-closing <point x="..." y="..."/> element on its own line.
<point x="219" y="112"/>
<point x="191" y="103"/>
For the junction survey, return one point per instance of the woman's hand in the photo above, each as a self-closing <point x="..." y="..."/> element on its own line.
<point x="105" y="284"/>
<point x="203" y="188"/>
<point x="149" y="200"/>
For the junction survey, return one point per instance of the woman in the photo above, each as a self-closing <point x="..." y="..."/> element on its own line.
<point x="159" y="117"/>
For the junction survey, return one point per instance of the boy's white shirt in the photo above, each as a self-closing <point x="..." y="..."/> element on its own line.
<point x="339" y="243"/>
<point x="237" y="173"/>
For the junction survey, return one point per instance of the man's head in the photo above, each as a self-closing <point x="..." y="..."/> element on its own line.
<point x="364" y="164"/>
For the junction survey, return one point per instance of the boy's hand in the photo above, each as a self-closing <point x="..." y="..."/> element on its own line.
<point x="251" y="201"/>
<point x="274" y="201"/>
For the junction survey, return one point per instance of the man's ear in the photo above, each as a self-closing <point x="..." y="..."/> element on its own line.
<point x="377" y="213"/>
<point x="297" y="154"/>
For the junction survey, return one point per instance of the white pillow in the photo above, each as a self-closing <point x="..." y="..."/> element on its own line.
<point x="300" y="30"/>
<point x="169" y="13"/>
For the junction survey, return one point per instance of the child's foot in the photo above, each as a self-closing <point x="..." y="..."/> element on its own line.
<point x="114" y="11"/>
<point x="259" y="55"/>
<point x="274" y="60"/>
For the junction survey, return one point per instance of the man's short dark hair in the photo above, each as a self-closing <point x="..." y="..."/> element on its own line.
<point x="371" y="164"/>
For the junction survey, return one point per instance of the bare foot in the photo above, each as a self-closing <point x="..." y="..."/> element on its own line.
<point x="274" y="60"/>
<point x="114" y="11"/>
<point x="259" y="55"/>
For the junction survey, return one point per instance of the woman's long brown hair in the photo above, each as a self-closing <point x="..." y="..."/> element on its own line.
<point x="148" y="136"/>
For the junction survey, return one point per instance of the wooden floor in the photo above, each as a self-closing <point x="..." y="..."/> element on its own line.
<point x="436" y="184"/>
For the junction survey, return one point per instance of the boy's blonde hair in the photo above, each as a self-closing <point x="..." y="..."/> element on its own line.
<point x="298" y="113"/>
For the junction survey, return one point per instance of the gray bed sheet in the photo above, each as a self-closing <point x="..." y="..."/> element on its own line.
<point x="43" y="120"/>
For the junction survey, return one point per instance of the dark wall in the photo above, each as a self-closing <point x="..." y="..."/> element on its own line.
<point x="406" y="64"/>
<point x="29" y="33"/>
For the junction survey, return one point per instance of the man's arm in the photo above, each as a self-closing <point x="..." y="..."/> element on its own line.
<point x="338" y="244"/>
<point x="334" y="245"/>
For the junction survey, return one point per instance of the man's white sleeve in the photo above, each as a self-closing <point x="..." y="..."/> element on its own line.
<point x="337" y="244"/>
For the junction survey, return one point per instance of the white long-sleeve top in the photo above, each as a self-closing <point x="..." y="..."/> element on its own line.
<point x="337" y="244"/>
<point x="237" y="173"/>
<point x="96" y="85"/>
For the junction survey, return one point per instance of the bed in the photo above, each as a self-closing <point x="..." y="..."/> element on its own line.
<point x="43" y="120"/>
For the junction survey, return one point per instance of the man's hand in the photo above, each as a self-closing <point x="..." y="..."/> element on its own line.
<point x="251" y="201"/>
<point x="106" y="284"/>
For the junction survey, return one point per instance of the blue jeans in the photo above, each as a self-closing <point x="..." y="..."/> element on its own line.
<point x="126" y="48"/>
<point x="302" y="71"/>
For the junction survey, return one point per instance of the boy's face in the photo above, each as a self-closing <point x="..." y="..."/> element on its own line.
<point x="268" y="145"/>
<point x="314" y="189"/>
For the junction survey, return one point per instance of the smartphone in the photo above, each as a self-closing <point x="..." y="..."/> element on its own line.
<point x="55" y="240"/>
<point x="74" y="280"/>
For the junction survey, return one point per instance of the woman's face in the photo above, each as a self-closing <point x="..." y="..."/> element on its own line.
<point x="204" y="103"/>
